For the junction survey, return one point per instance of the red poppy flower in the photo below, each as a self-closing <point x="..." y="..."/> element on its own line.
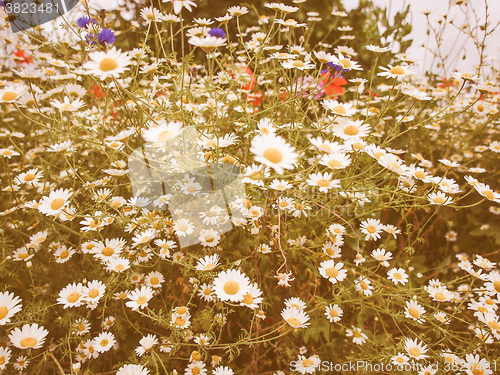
<point x="22" y="57"/>
<point x="333" y="86"/>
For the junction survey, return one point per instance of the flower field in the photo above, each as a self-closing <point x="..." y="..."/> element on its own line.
<point x="258" y="188"/>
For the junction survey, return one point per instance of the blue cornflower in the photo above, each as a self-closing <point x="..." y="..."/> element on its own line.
<point x="84" y="21"/>
<point x="337" y="68"/>
<point x="217" y="32"/>
<point x="106" y="36"/>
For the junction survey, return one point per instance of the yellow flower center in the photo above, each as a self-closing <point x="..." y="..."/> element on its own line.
<point x="248" y="299"/>
<point x="489" y="194"/>
<point x="231" y="287"/>
<point x="363" y="285"/>
<point x="94" y="293"/>
<point x="181" y="310"/>
<point x="397" y="70"/>
<point x="440" y="296"/>
<point x="334" y="313"/>
<point x="494" y="325"/>
<point x="307" y="362"/>
<point x="107" y="64"/>
<point x="68" y="107"/>
<point x="6" y="152"/>
<point x="28" y="342"/>
<point x="346" y="63"/>
<point x="332" y="272"/>
<point x="414" y="352"/>
<point x="496" y="285"/>
<point x="141" y="300"/>
<point x="323" y="183"/>
<point x="294" y="322"/>
<point x="207" y="291"/>
<point x="180" y="322"/>
<point x="414" y="312"/>
<point x="398" y="276"/>
<point x="351" y="130"/>
<point x="104" y="342"/>
<point x="23" y="255"/>
<point x="371" y="229"/>
<point x="273" y="155"/>
<point x="107" y="251"/>
<point x="29" y="177"/>
<point x="73" y="297"/>
<point x="3" y="312"/>
<point x="64" y="254"/>
<point x="334" y="164"/>
<point x="420" y="174"/>
<point x="340" y="109"/>
<point x="57" y="203"/>
<point x="298" y="64"/>
<point x="119" y="267"/>
<point x="477" y="369"/>
<point x="9" y="96"/>
<point x="438" y="200"/>
<point x="154" y="281"/>
<point x="80" y="327"/>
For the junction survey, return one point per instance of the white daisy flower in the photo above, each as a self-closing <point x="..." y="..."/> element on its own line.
<point x="333" y="313"/>
<point x="55" y="203"/>
<point x="9" y="305"/>
<point x="295" y="318"/>
<point x="139" y="298"/>
<point x="231" y="285"/>
<point x="28" y="337"/>
<point x="274" y="152"/>
<point x="71" y="295"/>
<point x="332" y="271"/>
<point x="103" y="342"/>
<point x="112" y="63"/>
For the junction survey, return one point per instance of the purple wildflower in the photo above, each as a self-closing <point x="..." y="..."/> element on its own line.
<point x="217" y="32"/>
<point x="106" y="36"/>
<point x="84" y="21"/>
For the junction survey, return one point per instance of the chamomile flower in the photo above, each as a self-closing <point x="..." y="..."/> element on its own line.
<point x="398" y="72"/>
<point x="295" y="318"/>
<point x="323" y="181"/>
<point x="131" y="369"/>
<point x="363" y="285"/>
<point x="252" y="298"/>
<point x="231" y="285"/>
<point x="274" y="152"/>
<point x="358" y="337"/>
<point x="55" y="203"/>
<point x="28" y="337"/>
<point x="397" y="276"/>
<point x="162" y="132"/>
<point x="333" y="313"/>
<point x="111" y="63"/>
<point x="139" y="298"/>
<point x="415" y="311"/>
<point x="72" y="295"/>
<point x="9" y="306"/>
<point x="208" y="263"/>
<point x="372" y="228"/>
<point x="103" y="342"/>
<point x="332" y="271"/>
<point x="339" y="109"/>
<point x="415" y="349"/>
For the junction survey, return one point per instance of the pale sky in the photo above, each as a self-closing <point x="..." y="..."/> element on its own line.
<point x="452" y="45"/>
